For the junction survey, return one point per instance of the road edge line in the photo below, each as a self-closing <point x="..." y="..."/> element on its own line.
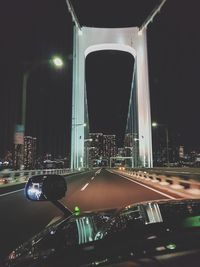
<point x="146" y="186"/>
<point x="12" y="192"/>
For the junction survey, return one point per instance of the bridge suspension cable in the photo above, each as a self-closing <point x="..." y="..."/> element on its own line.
<point x="151" y="16"/>
<point x="73" y="14"/>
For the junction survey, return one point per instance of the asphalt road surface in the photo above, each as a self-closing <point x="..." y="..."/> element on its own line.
<point x="20" y="219"/>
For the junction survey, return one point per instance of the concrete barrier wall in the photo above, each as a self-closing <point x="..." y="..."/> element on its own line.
<point x="174" y="184"/>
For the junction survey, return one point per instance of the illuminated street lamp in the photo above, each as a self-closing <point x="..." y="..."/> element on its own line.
<point x="57" y="62"/>
<point x="155" y="124"/>
<point x="20" y="129"/>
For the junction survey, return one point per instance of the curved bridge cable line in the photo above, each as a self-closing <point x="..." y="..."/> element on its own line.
<point x="73" y="14"/>
<point x="151" y="16"/>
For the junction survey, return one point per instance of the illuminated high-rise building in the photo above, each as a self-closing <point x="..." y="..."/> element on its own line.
<point x="95" y="148"/>
<point x="109" y="146"/>
<point x="29" y="152"/>
<point x="181" y="152"/>
<point x="102" y="147"/>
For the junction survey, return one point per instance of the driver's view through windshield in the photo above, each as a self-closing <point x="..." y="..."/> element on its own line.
<point x="99" y="136"/>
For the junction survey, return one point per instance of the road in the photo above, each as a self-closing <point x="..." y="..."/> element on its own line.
<point x="99" y="189"/>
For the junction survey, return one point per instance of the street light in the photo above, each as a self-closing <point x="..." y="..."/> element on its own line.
<point x="155" y="124"/>
<point x="131" y="149"/>
<point x="57" y="62"/>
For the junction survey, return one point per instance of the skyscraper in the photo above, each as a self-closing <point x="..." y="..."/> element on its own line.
<point x="109" y="146"/>
<point x="29" y="152"/>
<point x="96" y="148"/>
<point x="102" y="147"/>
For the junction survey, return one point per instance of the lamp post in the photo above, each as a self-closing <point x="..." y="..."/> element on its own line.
<point x="56" y="61"/>
<point x="87" y="148"/>
<point x="131" y="149"/>
<point x="155" y="124"/>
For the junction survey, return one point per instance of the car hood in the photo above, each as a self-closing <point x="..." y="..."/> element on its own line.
<point x="145" y="221"/>
<point x="63" y="232"/>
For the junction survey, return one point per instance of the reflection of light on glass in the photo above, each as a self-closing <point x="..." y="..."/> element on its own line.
<point x="152" y="237"/>
<point x="12" y="255"/>
<point x="153" y="212"/>
<point x="100" y="262"/>
<point x="79" y="231"/>
<point x="85" y="229"/>
<point x="98" y="236"/>
<point x="160" y="248"/>
<point x="77" y="210"/>
<point x="171" y="246"/>
<point x="34" y="191"/>
<point x="192" y="222"/>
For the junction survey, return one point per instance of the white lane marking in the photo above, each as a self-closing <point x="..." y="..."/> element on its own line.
<point x="92" y="178"/>
<point x="161" y="193"/>
<point x="97" y="172"/>
<point x="9" y="193"/>
<point x="83" y="188"/>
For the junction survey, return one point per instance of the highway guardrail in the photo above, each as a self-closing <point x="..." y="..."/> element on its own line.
<point x="9" y="177"/>
<point x="174" y="184"/>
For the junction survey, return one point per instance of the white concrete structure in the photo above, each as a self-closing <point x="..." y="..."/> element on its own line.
<point x="130" y="40"/>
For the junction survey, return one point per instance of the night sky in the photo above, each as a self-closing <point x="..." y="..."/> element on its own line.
<point x="34" y="30"/>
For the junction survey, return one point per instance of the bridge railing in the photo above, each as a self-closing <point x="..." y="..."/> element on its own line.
<point x="184" y="188"/>
<point x="8" y="176"/>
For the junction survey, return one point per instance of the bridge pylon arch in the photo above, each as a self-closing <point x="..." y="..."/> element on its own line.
<point x="89" y="40"/>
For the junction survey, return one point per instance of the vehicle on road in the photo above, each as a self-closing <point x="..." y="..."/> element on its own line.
<point x="153" y="233"/>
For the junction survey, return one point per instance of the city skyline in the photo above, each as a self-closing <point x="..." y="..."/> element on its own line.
<point x="174" y="78"/>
